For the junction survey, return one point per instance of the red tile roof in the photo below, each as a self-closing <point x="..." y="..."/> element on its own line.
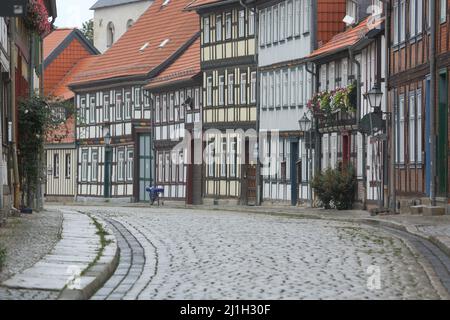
<point x="62" y="89"/>
<point x="185" y="67"/>
<point x="346" y="39"/>
<point x="54" y="39"/>
<point x="157" y="23"/>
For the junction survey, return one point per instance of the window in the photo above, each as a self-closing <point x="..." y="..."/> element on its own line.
<point x="243" y="88"/>
<point x="223" y="159"/>
<point x="290" y="19"/>
<point x="209" y="91"/>
<point x="174" y="161"/>
<point x="181" y="167"/>
<point x="84" y="165"/>
<point x="164" y="108"/>
<point x="92" y="108"/>
<point x="211" y="158"/>
<point x="197" y="98"/>
<point x="285" y="87"/>
<point x="110" y="34"/>
<point x="419" y="12"/>
<point x="402" y="20"/>
<point x="270" y="90"/>
<point x="130" y="23"/>
<point x="297" y="15"/>
<point x="412" y="18"/>
<point x="251" y="23"/>
<point x="221" y="89"/>
<point x="56" y="165"/>
<point x="419" y="125"/>
<point x="228" y="25"/>
<point x="293" y="86"/>
<point x="230" y="88"/>
<point x="160" y="167"/>
<point x="206" y="31"/>
<point x="127" y="105"/>
<point x="300" y="86"/>
<point x="130" y="168"/>
<point x="68" y="166"/>
<point x="264" y="90"/>
<point x="137" y="98"/>
<point x="275" y="24"/>
<point x="352" y="9"/>
<point x="401" y="131"/>
<point x="282" y="22"/>
<point x="412" y="127"/>
<point x="94" y="165"/>
<point x="233" y="157"/>
<point x="171" y="101"/>
<point x="268" y="26"/>
<point x="278" y="88"/>
<point x="253" y="87"/>
<point x="262" y="28"/>
<point x="119" y="105"/>
<point x="167" y="167"/>
<point x="105" y="106"/>
<point x="241" y="23"/>
<point x="306" y="15"/>
<point x="120" y="165"/>
<point x="219" y="28"/>
<point x="442" y="11"/>
<point x="157" y="108"/>
<point x="396" y="22"/>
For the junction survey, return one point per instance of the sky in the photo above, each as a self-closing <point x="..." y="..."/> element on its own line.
<point x="72" y="13"/>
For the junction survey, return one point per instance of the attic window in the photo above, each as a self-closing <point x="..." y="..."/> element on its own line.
<point x="165" y="3"/>
<point x="144" y="47"/>
<point x="164" y="43"/>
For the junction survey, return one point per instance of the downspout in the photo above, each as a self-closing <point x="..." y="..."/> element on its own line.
<point x="432" y="139"/>
<point x="259" y="185"/>
<point x="313" y="33"/>
<point x="317" y="139"/>
<point x="358" y="116"/>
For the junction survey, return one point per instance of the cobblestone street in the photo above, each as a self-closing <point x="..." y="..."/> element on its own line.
<point x="183" y="254"/>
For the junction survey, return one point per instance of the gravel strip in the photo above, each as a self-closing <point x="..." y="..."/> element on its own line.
<point x="27" y="239"/>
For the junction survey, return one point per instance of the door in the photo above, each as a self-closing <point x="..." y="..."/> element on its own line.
<point x="250" y="174"/>
<point x="442" y="134"/>
<point x="427" y="137"/>
<point x="293" y="177"/>
<point x="107" y="182"/>
<point x="145" y="168"/>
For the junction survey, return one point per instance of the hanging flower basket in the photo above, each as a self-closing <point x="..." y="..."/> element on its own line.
<point x="329" y="103"/>
<point x="37" y="17"/>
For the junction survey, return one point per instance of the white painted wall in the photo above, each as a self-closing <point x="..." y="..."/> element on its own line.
<point x="119" y="16"/>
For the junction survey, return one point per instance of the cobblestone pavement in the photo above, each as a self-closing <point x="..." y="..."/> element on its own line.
<point x="27" y="239"/>
<point x="183" y="254"/>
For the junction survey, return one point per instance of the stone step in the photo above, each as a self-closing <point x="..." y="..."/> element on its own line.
<point x="433" y="211"/>
<point x="417" y="209"/>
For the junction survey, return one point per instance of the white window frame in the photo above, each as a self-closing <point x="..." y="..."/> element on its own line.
<point x="285" y="88"/>
<point x="275" y="24"/>
<point x="94" y="165"/>
<point x="268" y="23"/>
<point x="228" y="26"/>
<point x="157" y="108"/>
<point x="290" y="19"/>
<point x="401" y="110"/>
<point x="251" y="23"/>
<point x="120" y="165"/>
<point x="419" y="125"/>
<point x="223" y="157"/>
<point x="282" y="22"/>
<point x="84" y="164"/>
<point x="241" y="17"/>
<point x="412" y="18"/>
<point x="262" y="28"/>
<point x="206" y="30"/>
<point x="243" y="88"/>
<point x="442" y="11"/>
<point x="293" y="81"/>
<point x="219" y="28"/>
<point x="230" y="90"/>
<point x="253" y="87"/>
<point x="56" y="165"/>
<point x="297" y="15"/>
<point x="209" y="91"/>
<point x="130" y="164"/>
<point x="306" y="16"/>
<point x="412" y="127"/>
<point x="221" y="90"/>
<point x="68" y="166"/>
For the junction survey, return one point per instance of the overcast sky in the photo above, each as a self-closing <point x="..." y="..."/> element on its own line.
<point x="72" y="13"/>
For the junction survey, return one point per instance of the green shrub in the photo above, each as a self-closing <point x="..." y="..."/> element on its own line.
<point x="2" y="256"/>
<point x="335" y="188"/>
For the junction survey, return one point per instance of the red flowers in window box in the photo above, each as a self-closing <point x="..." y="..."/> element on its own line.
<point x="37" y="17"/>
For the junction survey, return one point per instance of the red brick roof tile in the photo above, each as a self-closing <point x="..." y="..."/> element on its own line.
<point x="346" y="39"/>
<point x="54" y="39"/>
<point x="156" y="24"/>
<point x="185" y="67"/>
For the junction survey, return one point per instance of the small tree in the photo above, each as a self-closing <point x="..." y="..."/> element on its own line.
<point x="88" y="30"/>
<point x="37" y="117"/>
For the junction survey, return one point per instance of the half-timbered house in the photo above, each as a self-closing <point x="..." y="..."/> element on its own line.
<point x="420" y="112"/>
<point x="64" y="49"/>
<point x="229" y="99"/>
<point x="114" y="159"/>
<point x="177" y="98"/>
<point x="289" y="31"/>
<point x="351" y="64"/>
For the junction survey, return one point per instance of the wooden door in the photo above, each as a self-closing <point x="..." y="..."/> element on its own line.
<point x="442" y="134"/>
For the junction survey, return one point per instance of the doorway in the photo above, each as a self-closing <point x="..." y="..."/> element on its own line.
<point x="294" y="177"/>
<point x="145" y="168"/>
<point x="442" y="133"/>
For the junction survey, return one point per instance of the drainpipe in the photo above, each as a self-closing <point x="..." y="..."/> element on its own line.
<point x="358" y="116"/>
<point x="313" y="33"/>
<point x="432" y="139"/>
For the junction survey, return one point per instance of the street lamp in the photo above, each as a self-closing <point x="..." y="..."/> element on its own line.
<point x="305" y="125"/>
<point x="107" y="139"/>
<point x="375" y="96"/>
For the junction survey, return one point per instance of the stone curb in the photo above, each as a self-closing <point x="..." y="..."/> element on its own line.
<point x="97" y="275"/>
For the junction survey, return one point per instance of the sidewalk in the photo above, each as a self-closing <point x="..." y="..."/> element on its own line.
<point x="77" y="266"/>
